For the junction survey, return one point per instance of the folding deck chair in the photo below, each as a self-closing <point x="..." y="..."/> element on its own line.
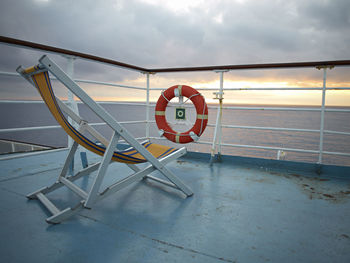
<point x="156" y="155"/>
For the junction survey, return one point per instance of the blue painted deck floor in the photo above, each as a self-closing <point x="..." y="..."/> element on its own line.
<point x="241" y="211"/>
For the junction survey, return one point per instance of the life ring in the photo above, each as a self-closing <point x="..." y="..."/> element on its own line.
<point x="199" y="126"/>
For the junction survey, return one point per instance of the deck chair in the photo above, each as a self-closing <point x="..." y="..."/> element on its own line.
<point x="157" y="156"/>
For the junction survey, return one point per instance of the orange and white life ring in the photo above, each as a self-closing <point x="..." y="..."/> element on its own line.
<point x="197" y="99"/>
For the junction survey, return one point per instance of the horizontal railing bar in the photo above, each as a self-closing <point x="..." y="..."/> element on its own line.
<point x="252" y="108"/>
<point x="29" y="128"/>
<point x="79" y="102"/>
<point x="21" y="155"/>
<point x="275" y="128"/>
<point x="283" y="149"/>
<point x="26" y="154"/>
<point x="186" y="105"/>
<point x="108" y="84"/>
<point x="23" y="101"/>
<point x="121" y="122"/>
<point x="283" y="109"/>
<point x="101" y="102"/>
<point x="279" y="129"/>
<point x="266" y="147"/>
<point x="337" y="110"/>
<point x="263" y="88"/>
<point x="336" y="132"/>
<point x="255" y="66"/>
<point x="58" y="126"/>
<point x="336" y="153"/>
<point x="270" y="108"/>
<point x="25" y="144"/>
<point x="32" y="45"/>
<point x="12" y="74"/>
<point x="23" y="43"/>
<point x="121" y="103"/>
<point x="266" y="128"/>
<point x="290" y="88"/>
<point x="258" y="108"/>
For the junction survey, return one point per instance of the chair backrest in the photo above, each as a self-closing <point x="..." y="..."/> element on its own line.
<point x="42" y="82"/>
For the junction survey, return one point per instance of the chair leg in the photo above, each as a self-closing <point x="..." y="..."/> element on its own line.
<point x="172" y="177"/>
<point x="84" y="160"/>
<point x="102" y="171"/>
<point x="69" y="159"/>
<point x="64" y="214"/>
<point x="59" y="184"/>
<point x="144" y="173"/>
<point x="59" y="215"/>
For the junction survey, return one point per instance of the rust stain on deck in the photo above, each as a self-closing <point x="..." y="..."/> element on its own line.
<point x="318" y="188"/>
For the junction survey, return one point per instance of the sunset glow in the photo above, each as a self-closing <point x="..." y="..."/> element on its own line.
<point x="273" y="97"/>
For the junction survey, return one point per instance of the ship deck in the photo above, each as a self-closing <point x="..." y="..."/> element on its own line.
<point x="242" y="210"/>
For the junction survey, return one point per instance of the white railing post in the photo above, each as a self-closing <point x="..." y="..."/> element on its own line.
<point x="71" y="102"/>
<point x="322" y="113"/>
<point x="147" y="107"/>
<point x="13" y="149"/>
<point x="220" y="119"/>
<point x="217" y="138"/>
<point x="74" y="106"/>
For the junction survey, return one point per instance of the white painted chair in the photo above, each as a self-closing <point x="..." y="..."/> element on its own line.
<point x="156" y="155"/>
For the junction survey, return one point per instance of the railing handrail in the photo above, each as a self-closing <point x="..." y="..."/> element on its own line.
<point x="33" y="45"/>
<point x="23" y="43"/>
<point x="308" y="64"/>
<point x="13" y="74"/>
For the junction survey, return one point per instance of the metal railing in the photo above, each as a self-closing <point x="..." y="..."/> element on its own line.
<point x="216" y="142"/>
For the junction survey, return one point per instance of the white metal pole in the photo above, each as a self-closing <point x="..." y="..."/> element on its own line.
<point x="74" y="106"/>
<point x="220" y="118"/>
<point x="322" y="115"/>
<point x="213" y="147"/>
<point x="147" y="107"/>
<point x="218" y="126"/>
<point x="71" y="102"/>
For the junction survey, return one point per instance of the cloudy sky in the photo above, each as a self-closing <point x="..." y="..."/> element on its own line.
<point x="155" y="33"/>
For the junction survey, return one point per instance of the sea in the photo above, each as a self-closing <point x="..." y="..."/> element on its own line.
<point x="19" y="115"/>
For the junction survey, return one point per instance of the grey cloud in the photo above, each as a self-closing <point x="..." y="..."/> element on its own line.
<point x="151" y="36"/>
<point x="327" y="14"/>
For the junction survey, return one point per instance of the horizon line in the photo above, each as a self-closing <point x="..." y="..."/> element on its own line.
<point x="153" y="103"/>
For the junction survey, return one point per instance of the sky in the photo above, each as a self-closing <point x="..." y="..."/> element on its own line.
<point x="155" y="34"/>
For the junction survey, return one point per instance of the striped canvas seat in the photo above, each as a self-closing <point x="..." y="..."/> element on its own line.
<point x="157" y="156"/>
<point x="43" y="84"/>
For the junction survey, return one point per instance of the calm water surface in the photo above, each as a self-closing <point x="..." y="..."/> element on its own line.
<point x="36" y="114"/>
